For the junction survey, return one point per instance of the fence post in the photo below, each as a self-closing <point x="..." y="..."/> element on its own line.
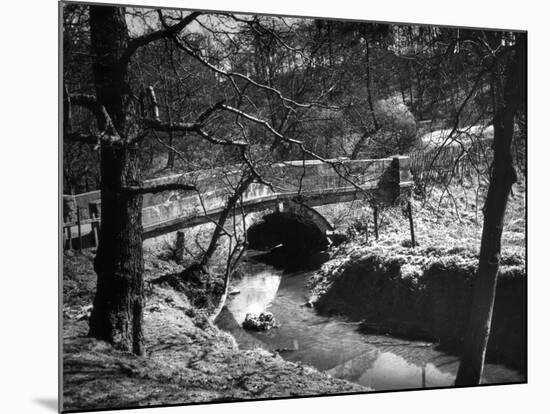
<point x="93" y="209"/>
<point x="411" y="224"/>
<point x="79" y="229"/>
<point x="94" y="230"/>
<point x="375" y="214"/>
<point x="69" y="210"/>
<point x="69" y="238"/>
<point x="366" y="230"/>
<point x="180" y="246"/>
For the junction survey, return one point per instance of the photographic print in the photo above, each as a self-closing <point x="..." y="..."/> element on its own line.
<point x="261" y="207"/>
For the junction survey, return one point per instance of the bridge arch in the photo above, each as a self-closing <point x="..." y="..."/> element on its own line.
<point x="290" y="223"/>
<point x="303" y="210"/>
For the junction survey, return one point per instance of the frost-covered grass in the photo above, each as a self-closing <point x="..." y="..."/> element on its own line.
<point x="448" y="236"/>
<point x="443" y="225"/>
<point x="426" y="290"/>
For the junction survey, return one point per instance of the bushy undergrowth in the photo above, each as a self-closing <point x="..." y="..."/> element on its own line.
<point x="426" y="290"/>
<point x="445" y="223"/>
<point x="448" y="236"/>
<point x="79" y="278"/>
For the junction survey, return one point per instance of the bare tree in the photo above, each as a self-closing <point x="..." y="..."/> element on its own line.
<point x="125" y="114"/>
<point x="118" y="305"/>
<point x="509" y="101"/>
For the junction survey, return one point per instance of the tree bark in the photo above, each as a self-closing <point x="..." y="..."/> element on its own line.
<point x="369" y="86"/>
<point x="359" y="145"/>
<point x="167" y="101"/>
<point x="231" y="203"/>
<point x="117" y="313"/>
<point x="502" y="177"/>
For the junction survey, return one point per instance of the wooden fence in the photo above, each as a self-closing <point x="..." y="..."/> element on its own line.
<point x="85" y="224"/>
<point x="435" y="163"/>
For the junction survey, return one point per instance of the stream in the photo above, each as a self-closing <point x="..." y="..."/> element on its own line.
<point x="333" y="344"/>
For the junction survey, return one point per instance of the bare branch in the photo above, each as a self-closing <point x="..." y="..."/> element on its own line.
<point x="253" y="119"/>
<point x="241" y="187"/>
<point x="169" y="147"/>
<point x="108" y="132"/>
<point x="337" y="166"/>
<point x="204" y="116"/>
<point x="156" y="124"/>
<point x="197" y="128"/>
<point x="85" y="100"/>
<point x="154" y="103"/>
<point x="219" y="141"/>
<point x="157" y="188"/>
<point x="230" y="75"/>
<point x="92" y="139"/>
<point x="255" y="24"/>
<point x="168" y="31"/>
<point x="254" y="172"/>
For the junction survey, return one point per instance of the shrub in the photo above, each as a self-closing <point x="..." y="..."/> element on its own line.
<point x="398" y="131"/>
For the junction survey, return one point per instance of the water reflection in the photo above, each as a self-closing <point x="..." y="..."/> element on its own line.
<point x="388" y="371"/>
<point x="256" y="293"/>
<point x="334" y="345"/>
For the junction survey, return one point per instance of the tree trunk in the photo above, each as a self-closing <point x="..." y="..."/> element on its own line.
<point x="171" y="154"/>
<point x="231" y="203"/>
<point x="369" y="86"/>
<point x="419" y="94"/>
<point x="167" y="100"/>
<point x="502" y="177"/>
<point x="118" y="305"/>
<point x="359" y="145"/>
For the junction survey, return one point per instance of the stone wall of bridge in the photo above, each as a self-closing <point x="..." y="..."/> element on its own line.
<point x="314" y="182"/>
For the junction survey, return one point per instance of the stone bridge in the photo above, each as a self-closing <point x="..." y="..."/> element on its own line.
<point x="299" y="186"/>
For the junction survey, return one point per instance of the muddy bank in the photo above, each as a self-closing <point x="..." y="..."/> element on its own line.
<point x="425" y="295"/>
<point x="189" y="360"/>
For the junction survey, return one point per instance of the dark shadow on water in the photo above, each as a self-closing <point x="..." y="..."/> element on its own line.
<point x="290" y="260"/>
<point x="405" y="332"/>
<point x="49" y="403"/>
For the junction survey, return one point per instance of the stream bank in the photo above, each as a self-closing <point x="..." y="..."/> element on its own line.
<point x="333" y="342"/>
<point x="425" y="291"/>
<point x="424" y="295"/>
<point x="188" y="360"/>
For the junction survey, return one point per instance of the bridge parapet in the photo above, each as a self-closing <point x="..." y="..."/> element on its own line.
<point x="312" y="180"/>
